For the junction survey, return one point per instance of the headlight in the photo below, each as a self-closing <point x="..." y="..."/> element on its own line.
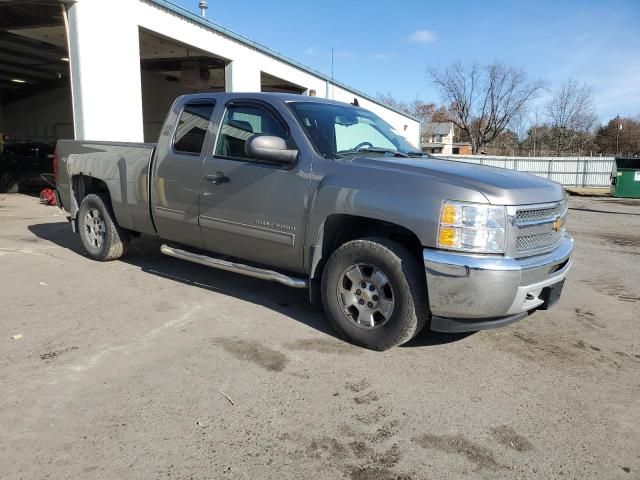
<point x="472" y="227"/>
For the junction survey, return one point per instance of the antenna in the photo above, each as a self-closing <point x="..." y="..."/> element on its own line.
<point x="332" y="97"/>
<point x="334" y="140"/>
<point x="203" y="8"/>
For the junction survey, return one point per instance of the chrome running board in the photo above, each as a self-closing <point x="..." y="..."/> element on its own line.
<point x="228" y="266"/>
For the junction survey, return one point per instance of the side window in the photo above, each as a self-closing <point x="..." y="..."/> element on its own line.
<point x="192" y="127"/>
<point x="241" y="122"/>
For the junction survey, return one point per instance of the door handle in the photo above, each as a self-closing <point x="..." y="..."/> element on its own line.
<point x="217" y="178"/>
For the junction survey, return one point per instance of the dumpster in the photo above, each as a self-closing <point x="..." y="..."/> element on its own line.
<point x="625" y="178"/>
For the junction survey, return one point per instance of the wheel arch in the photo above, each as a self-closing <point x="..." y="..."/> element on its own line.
<point x="83" y="185"/>
<point x="338" y="229"/>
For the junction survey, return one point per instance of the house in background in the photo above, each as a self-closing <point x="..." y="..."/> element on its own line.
<point x="438" y="138"/>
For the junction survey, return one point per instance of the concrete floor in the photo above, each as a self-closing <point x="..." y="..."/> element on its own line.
<point x="123" y="371"/>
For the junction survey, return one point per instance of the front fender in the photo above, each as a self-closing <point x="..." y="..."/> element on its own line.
<point x="409" y="201"/>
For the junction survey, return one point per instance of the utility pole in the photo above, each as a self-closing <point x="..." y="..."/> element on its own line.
<point x="618" y="128"/>
<point x="331" y="73"/>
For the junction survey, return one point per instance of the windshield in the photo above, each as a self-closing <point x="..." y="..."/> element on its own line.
<point x="339" y="130"/>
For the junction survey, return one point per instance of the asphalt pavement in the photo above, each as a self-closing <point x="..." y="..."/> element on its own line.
<point x="150" y="367"/>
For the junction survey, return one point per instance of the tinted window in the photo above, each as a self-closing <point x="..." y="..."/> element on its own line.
<point x="192" y="127"/>
<point x="241" y="122"/>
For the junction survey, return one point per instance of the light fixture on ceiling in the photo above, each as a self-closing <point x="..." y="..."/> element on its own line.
<point x="64" y="59"/>
<point x="18" y="80"/>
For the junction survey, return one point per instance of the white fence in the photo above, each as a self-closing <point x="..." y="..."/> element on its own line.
<point x="592" y="172"/>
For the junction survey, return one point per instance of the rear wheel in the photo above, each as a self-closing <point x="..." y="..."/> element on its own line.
<point x="374" y="293"/>
<point x="101" y="236"/>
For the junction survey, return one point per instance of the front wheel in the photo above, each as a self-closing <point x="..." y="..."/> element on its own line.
<point x="101" y="236"/>
<point x="374" y="292"/>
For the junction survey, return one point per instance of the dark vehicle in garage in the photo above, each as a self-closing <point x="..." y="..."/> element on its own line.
<point x="23" y="163"/>
<point x="323" y="195"/>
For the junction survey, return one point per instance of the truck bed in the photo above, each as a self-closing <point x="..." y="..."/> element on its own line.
<point x="124" y="169"/>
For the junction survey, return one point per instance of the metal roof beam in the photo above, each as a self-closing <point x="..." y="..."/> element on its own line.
<point x="29" y="14"/>
<point x="24" y="43"/>
<point x="25" y="61"/>
<point x="27" y="70"/>
<point x="7" y="49"/>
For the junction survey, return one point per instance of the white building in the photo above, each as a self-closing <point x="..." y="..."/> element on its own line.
<point x="437" y="138"/>
<point x="109" y="70"/>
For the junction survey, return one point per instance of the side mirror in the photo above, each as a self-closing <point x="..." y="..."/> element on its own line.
<point x="269" y="148"/>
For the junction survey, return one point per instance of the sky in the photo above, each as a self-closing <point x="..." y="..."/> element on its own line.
<point x="387" y="47"/>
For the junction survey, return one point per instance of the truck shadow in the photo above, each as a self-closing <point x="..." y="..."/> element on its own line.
<point x="144" y="253"/>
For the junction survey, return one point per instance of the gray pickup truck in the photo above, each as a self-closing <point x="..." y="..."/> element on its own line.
<point x="324" y="195"/>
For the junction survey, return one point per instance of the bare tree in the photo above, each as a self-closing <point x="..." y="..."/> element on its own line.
<point x="571" y="116"/>
<point x="483" y="100"/>
<point x="620" y="136"/>
<point x="425" y="111"/>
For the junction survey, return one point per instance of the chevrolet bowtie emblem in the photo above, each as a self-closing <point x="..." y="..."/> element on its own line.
<point x="558" y="224"/>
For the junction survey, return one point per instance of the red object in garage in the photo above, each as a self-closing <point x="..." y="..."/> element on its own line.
<point x="47" y="197"/>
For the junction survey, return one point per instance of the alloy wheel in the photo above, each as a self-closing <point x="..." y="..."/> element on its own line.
<point x="366" y="296"/>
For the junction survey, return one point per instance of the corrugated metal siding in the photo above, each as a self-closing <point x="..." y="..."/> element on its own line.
<point x="591" y="172"/>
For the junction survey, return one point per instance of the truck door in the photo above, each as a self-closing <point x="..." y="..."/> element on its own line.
<point x="253" y="209"/>
<point x="178" y="172"/>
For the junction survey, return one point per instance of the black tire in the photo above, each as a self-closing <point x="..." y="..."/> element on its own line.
<point x="9" y="183"/>
<point x="96" y="221"/>
<point x="405" y="277"/>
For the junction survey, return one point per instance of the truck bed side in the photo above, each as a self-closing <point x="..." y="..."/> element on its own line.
<point x="121" y="169"/>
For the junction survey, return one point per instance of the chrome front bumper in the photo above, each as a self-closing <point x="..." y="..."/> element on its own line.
<point x="472" y="292"/>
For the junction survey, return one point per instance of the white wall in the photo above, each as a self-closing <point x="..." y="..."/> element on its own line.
<point x="44" y="118"/>
<point x="105" y="70"/>
<point x="105" y="67"/>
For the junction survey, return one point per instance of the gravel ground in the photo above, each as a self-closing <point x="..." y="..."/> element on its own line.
<point x="151" y="367"/>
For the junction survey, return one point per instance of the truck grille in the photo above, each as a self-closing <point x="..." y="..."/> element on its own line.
<point x="525" y="216"/>
<point x="537" y="242"/>
<point x="536" y="228"/>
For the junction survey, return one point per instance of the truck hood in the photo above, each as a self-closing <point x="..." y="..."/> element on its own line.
<point x="499" y="185"/>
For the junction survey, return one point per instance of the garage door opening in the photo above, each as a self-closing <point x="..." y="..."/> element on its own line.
<point x="169" y="69"/>
<point x="35" y="92"/>
<point x="269" y="83"/>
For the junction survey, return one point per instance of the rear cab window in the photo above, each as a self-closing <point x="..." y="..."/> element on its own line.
<point x="192" y="127"/>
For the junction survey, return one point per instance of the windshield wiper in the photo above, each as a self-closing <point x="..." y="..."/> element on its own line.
<point x="372" y="150"/>
<point x="416" y="153"/>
